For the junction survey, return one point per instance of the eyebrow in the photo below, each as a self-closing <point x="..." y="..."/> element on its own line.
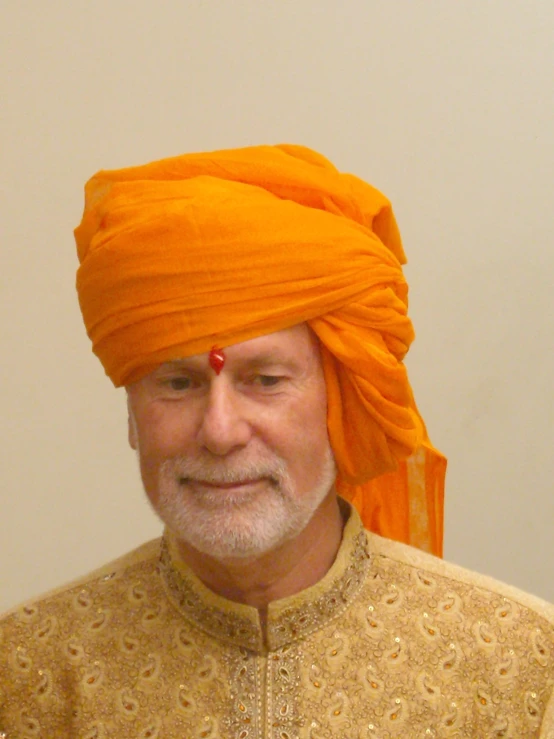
<point x="261" y="360"/>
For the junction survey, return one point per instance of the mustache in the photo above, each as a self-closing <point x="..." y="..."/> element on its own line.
<point x="218" y="473"/>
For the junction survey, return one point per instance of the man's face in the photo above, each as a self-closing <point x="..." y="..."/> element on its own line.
<point x="236" y="463"/>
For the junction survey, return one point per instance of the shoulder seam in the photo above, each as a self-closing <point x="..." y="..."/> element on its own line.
<point x="145" y="551"/>
<point x="417" y="559"/>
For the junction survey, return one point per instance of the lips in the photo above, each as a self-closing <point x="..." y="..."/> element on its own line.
<point x="227" y="485"/>
<point x="235" y="485"/>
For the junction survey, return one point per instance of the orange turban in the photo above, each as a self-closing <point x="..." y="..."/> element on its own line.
<point x="221" y="247"/>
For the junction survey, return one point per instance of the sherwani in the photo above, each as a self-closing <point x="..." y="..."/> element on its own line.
<point x="392" y="642"/>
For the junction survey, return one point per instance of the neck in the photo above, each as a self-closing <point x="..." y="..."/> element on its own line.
<point x="294" y="566"/>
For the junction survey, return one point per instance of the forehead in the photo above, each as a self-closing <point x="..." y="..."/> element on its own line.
<point x="295" y="346"/>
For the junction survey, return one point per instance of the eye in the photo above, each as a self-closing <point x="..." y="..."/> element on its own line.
<point x="267" y="380"/>
<point x="180" y="383"/>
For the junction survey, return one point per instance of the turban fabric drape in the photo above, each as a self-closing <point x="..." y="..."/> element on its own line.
<point x="210" y="249"/>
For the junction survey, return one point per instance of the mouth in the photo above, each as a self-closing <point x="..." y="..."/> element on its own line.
<point x="246" y="485"/>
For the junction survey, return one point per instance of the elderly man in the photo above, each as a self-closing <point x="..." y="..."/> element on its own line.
<point x="253" y="305"/>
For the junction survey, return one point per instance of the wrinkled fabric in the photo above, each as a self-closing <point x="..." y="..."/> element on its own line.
<point x="185" y="253"/>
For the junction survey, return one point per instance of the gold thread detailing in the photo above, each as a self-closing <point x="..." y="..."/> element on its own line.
<point x="152" y="730"/>
<point x="94" y="731"/>
<point x="20" y="660"/>
<point x="127" y="704"/>
<point x="29" y="726"/>
<point x="46" y="629"/>
<point x="242" y="720"/>
<point x="540" y="652"/>
<point x="428" y="687"/>
<point x="82" y="601"/>
<point x="229" y="627"/>
<point x="378" y="650"/>
<point x="92" y="679"/>
<point x="284" y="682"/>
<point x="29" y="613"/>
<point x="298" y="622"/>
<point x="149" y="673"/>
<point x="294" y="622"/>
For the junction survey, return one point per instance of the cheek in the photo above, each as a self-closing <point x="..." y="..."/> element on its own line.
<point x="307" y="440"/>
<point x="162" y="428"/>
<point x="162" y="434"/>
<point x="315" y="422"/>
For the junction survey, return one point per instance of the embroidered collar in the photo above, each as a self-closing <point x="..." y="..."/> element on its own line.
<point x="289" y="619"/>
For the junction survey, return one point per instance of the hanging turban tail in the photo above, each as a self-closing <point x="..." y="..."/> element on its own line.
<point x="210" y="249"/>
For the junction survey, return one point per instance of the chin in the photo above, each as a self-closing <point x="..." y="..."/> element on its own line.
<point x="241" y="531"/>
<point x="242" y="526"/>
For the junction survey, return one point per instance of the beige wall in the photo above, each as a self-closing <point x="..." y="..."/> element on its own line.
<point x="446" y="106"/>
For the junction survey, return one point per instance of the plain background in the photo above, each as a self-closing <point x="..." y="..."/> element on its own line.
<point x="446" y="106"/>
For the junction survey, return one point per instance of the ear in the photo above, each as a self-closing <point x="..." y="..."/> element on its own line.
<point x="131" y="426"/>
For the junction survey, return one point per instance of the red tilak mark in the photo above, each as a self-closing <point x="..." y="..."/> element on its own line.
<point x="216" y="359"/>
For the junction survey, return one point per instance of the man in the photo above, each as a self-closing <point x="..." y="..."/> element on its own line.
<point x="253" y="305"/>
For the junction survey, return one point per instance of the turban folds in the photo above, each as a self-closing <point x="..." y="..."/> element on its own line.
<point x="182" y="254"/>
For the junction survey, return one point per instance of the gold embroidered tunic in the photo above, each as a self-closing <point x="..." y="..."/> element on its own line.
<point x="390" y="643"/>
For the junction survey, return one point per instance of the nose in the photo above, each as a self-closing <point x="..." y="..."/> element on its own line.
<point x="224" y="426"/>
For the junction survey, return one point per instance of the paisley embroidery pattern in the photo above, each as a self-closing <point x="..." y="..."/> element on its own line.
<point x="388" y="645"/>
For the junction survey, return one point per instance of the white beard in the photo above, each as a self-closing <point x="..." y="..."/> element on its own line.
<point x="226" y="525"/>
